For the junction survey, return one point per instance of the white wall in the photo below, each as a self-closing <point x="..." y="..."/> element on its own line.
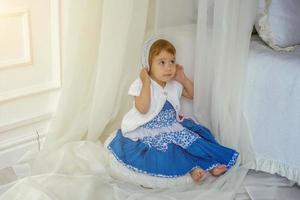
<point x="30" y="73"/>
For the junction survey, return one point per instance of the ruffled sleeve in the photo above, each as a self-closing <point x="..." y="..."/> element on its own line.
<point x="135" y="88"/>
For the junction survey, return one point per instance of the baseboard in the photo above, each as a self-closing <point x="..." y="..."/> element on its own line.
<point x="25" y="122"/>
<point x="19" y="141"/>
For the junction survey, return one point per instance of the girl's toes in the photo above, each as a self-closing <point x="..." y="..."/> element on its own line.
<point x="221" y="167"/>
<point x="218" y="170"/>
<point x="197" y="174"/>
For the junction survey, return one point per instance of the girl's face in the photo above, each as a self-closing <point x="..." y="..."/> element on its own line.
<point x="163" y="67"/>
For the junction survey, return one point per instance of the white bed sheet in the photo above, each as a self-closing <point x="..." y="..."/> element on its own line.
<point x="272" y="108"/>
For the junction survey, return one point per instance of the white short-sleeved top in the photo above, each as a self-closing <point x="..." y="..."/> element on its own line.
<point x="171" y="92"/>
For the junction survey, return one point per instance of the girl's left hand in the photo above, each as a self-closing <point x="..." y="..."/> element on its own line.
<point x="180" y="75"/>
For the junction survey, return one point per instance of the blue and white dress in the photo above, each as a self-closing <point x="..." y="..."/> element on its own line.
<point x="169" y="148"/>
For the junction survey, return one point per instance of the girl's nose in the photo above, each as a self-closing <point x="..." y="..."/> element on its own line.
<point x="169" y="66"/>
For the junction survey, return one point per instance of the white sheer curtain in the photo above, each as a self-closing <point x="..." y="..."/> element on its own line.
<point x="223" y="37"/>
<point x="101" y="48"/>
<point x="97" y="65"/>
<point x="102" y="42"/>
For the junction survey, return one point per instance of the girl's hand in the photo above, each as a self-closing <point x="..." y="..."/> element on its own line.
<point x="144" y="76"/>
<point x="180" y="75"/>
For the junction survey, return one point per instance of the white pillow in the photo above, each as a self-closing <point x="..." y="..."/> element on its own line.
<point x="278" y="23"/>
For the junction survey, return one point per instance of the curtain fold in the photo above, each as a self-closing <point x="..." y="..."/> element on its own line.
<point x="100" y="53"/>
<point x="101" y="42"/>
<point x="119" y="52"/>
<point x="81" y="25"/>
<point x="223" y="36"/>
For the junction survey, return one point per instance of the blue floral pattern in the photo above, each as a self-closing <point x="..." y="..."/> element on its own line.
<point x="183" y="138"/>
<point x="166" y="118"/>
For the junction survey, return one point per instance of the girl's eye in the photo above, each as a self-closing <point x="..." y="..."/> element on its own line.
<point x="172" y="61"/>
<point x="162" y="62"/>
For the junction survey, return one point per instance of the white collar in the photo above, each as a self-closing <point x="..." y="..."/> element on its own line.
<point x="159" y="86"/>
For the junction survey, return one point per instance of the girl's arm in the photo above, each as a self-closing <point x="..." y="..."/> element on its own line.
<point x="188" y="85"/>
<point x="142" y="102"/>
<point x="188" y="88"/>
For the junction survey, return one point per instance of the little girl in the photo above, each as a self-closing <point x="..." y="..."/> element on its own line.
<point x="154" y="139"/>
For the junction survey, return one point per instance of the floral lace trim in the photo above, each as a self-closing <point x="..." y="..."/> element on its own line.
<point x="229" y="165"/>
<point x="232" y="160"/>
<point x="143" y="132"/>
<point x="183" y="138"/>
<point x="153" y="174"/>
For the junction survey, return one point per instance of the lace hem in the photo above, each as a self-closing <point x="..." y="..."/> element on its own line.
<point x="229" y="165"/>
<point x="273" y="166"/>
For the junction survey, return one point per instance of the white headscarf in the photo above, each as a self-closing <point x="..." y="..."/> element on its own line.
<point x="146" y="49"/>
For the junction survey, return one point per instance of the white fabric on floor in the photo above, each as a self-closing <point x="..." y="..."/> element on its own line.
<point x="80" y="173"/>
<point x="101" y="43"/>
<point x="263" y="186"/>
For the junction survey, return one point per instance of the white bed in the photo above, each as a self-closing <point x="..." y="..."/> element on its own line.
<point x="272" y="108"/>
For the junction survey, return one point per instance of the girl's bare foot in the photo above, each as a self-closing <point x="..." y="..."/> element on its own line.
<point x="197" y="174"/>
<point x="218" y="170"/>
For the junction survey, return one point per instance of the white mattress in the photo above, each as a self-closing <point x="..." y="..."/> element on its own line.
<point x="272" y="108"/>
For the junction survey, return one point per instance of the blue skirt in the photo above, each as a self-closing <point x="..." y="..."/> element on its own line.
<point x="175" y="160"/>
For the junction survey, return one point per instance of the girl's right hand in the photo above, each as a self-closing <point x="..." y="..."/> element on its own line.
<point x="144" y="75"/>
